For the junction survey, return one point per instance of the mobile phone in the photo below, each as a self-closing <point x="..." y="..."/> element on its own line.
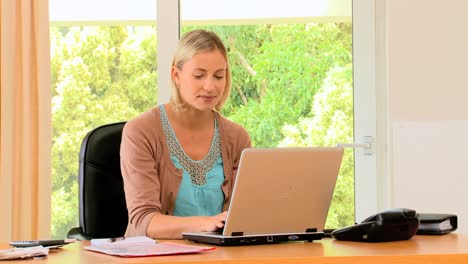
<point x="45" y="243"/>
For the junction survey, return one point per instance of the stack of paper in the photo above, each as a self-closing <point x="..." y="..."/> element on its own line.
<point x="141" y="246"/>
<point x="21" y="253"/>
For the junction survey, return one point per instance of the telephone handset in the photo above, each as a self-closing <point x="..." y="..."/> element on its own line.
<point x="390" y="225"/>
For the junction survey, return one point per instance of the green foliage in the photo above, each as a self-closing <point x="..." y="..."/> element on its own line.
<point x="291" y="87"/>
<point x="290" y="66"/>
<point x="100" y="75"/>
<point x="331" y="123"/>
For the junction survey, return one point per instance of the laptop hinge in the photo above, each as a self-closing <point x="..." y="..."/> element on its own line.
<point x="237" y="233"/>
<point x="311" y="230"/>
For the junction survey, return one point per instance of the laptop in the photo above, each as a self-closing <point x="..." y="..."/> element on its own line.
<point x="280" y="194"/>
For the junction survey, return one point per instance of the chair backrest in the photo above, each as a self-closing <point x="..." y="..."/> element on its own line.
<point x="103" y="210"/>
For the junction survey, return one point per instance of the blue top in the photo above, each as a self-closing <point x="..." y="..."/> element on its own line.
<point x="200" y="192"/>
<point x="207" y="199"/>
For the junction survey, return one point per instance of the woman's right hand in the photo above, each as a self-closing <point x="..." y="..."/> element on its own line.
<point x="213" y="223"/>
<point x="171" y="227"/>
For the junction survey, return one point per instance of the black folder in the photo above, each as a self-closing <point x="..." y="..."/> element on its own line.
<point x="436" y="224"/>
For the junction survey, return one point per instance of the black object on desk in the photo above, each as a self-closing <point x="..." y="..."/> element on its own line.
<point x="45" y="243"/>
<point x="437" y="224"/>
<point x="391" y="225"/>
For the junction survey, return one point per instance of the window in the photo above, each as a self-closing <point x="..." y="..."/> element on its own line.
<point x="292" y="86"/>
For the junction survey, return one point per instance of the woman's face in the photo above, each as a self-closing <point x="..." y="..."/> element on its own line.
<point x="202" y="80"/>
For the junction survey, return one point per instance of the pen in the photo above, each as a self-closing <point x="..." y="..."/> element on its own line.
<point x="115" y="239"/>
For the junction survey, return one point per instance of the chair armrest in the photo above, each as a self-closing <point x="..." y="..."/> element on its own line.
<point x="78" y="234"/>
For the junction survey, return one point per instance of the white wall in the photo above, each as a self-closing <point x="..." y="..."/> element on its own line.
<point x="427" y="82"/>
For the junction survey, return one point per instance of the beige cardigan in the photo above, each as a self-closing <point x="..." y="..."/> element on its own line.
<point x="151" y="181"/>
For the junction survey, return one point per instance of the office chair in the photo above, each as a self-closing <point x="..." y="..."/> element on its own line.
<point x="102" y="206"/>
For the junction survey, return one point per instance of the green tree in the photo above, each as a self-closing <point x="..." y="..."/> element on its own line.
<point x="290" y="67"/>
<point x="331" y="123"/>
<point x="100" y="75"/>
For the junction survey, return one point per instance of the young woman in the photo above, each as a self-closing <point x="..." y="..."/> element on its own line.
<point x="179" y="160"/>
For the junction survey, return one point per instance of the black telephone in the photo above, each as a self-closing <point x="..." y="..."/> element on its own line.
<point x="390" y="225"/>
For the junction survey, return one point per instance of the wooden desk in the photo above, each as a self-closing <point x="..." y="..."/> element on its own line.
<point x="452" y="248"/>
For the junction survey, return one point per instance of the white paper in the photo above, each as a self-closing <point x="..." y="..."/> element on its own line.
<point x="141" y="246"/>
<point x="22" y="253"/>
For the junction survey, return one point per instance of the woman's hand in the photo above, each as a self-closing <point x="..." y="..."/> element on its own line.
<point x="212" y="223"/>
<point x="171" y="227"/>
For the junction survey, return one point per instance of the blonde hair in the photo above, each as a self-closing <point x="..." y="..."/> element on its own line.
<point x="191" y="44"/>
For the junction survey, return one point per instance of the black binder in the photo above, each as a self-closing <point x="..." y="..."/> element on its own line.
<point x="436" y="224"/>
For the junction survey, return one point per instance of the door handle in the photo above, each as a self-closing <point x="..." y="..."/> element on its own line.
<point x="366" y="145"/>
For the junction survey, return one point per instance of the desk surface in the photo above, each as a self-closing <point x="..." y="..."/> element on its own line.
<point x="452" y="248"/>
